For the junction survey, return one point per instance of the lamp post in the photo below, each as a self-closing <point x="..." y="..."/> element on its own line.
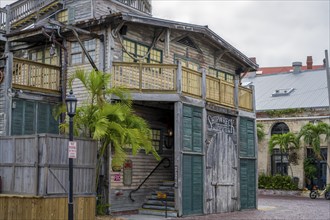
<point x="71" y="104"/>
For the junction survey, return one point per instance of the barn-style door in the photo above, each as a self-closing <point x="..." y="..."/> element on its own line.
<point x="221" y="164"/>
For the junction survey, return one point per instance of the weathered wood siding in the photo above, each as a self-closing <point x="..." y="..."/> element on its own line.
<point x="16" y="207"/>
<point x="206" y="56"/>
<point x="81" y="10"/>
<point x="2" y="109"/>
<point x="143" y="164"/>
<point x="38" y="165"/>
<point x="221" y="164"/>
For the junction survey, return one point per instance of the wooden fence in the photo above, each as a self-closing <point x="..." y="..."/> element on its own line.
<point x="16" y="207"/>
<point x="38" y="165"/>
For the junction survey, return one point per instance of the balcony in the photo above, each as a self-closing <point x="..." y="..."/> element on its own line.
<point x="170" y="78"/>
<point x="35" y="76"/>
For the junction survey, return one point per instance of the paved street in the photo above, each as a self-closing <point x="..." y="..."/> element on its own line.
<point x="270" y="207"/>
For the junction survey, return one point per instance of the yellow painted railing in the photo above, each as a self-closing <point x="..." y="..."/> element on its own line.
<point x="163" y="78"/>
<point x="35" y="75"/>
<point x="245" y="98"/>
<point x="143" y="76"/>
<point x="191" y="82"/>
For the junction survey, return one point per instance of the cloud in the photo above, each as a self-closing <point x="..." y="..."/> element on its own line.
<point x="276" y="32"/>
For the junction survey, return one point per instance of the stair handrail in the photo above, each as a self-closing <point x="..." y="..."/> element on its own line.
<point x="160" y="162"/>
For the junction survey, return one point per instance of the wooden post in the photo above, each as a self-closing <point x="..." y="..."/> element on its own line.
<point x="7" y="95"/>
<point x="140" y="76"/>
<point x="204" y="84"/>
<point x="328" y="80"/>
<point x="179" y="78"/>
<point x="178" y="112"/>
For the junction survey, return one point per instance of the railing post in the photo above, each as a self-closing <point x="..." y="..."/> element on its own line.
<point x="179" y="78"/>
<point x="8" y="18"/>
<point x="236" y="91"/>
<point x="140" y="76"/>
<point x="203" y="84"/>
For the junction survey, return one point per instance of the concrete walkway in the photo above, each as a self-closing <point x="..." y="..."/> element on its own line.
<point x="269" y="207"/>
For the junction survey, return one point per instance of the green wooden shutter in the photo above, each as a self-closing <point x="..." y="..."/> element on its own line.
<point x="43" y="114"/>
<point x="247" y="164"/>
<point x="17" y="117"/>
<point x="248" y="183"/>
<point x="192" y="189"/>
<point x="247" y="138"/>
<point x="53" y="123"/>
<point x="29" y="118"/>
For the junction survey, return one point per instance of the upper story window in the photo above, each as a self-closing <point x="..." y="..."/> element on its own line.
<point x="77" y="54"/>
<point x="134" y="49"/>
<point x="189" y="63"/>
<point x="221" y="75"/>
<point x="63" y="16"/>
<point x="43" y="56"/>
<point x="280" y="128"/>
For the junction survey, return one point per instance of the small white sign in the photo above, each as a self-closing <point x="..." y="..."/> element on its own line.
<point x="72" y="150"/>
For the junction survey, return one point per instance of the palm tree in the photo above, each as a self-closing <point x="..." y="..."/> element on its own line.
<point x="312" y="135"/>
<point x="109" y="122"/>
<point x="288" y="144"/>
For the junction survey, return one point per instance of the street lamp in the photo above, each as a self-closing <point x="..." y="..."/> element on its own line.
<point x="71" y="104"/>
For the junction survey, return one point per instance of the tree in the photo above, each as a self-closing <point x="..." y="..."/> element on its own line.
<point x="260" y="132"/>
<point x="288" y="145"/>
<point x="108" y="121"/>
<point x="312" y="135"/>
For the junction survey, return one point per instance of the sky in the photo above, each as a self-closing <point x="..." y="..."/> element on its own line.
<point x="277" y="33"/>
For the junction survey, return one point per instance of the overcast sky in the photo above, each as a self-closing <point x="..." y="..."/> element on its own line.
<point x="277" y="33"/>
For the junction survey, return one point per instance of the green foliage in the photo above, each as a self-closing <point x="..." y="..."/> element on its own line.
<point x="101" y="208"/>
<point x="310" y="168"/>
<point x="260" y="132"/>
<point x="281" y="112"/>
<point x="312" y="136"/>
<point x="276" y="182"/>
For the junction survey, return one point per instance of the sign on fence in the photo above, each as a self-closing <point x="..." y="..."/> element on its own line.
<point x="72" y="150"/>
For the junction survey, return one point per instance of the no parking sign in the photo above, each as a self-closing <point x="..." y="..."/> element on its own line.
<point x="72" y="150"/>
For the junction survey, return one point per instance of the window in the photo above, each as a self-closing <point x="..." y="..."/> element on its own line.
<point x="221" y="75"/>
<point x="138" y="50"/>
<point x="30" y="117"/>
<point x="43" y="56"/>
<point x="279" y="160"/>
<point x="186" y="62"/>
<point x="156" y="139"/>
<point x="63" y="16"/>
<point x="77" y="54"/>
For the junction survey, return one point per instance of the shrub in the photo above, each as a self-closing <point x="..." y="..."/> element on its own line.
<point x="276" y="182"/>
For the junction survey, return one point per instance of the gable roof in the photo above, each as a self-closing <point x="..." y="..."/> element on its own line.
<point x="307" y="89"/>
<point x="228" y="48"/>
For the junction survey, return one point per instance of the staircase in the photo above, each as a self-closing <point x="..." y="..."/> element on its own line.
<point x="156" y="204"/>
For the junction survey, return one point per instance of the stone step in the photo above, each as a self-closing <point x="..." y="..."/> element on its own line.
<point x="168" y="183"/>
<point x="159" y="202"/>
<point x="154" y="197"/>
<point x="157" y="212"/>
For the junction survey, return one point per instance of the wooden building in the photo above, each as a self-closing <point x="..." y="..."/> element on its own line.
<point x="184" y="80"/>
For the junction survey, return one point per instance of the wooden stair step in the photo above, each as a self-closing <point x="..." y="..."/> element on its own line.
<point x="159" y="202"/>
<point x="158" y="212"/>
<point x="158" y="207"/>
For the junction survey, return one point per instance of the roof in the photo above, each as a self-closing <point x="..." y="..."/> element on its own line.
<point x="284" y="69"/>
<point x="192" y="28"/>
<point x="307" y="89"/>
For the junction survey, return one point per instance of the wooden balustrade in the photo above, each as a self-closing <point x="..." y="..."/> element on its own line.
<point x="35" y="75"/>
<point x="245" y="98"/>
<point x="162" y="78"/>
<point x="142" y="76"/>
<point x="191" y="82"/>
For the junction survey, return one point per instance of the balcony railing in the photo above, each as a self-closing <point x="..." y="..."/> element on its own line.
<point x="163" y="78"/>
<point x="245" y="98"/>
<point x="35" y="75"/>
